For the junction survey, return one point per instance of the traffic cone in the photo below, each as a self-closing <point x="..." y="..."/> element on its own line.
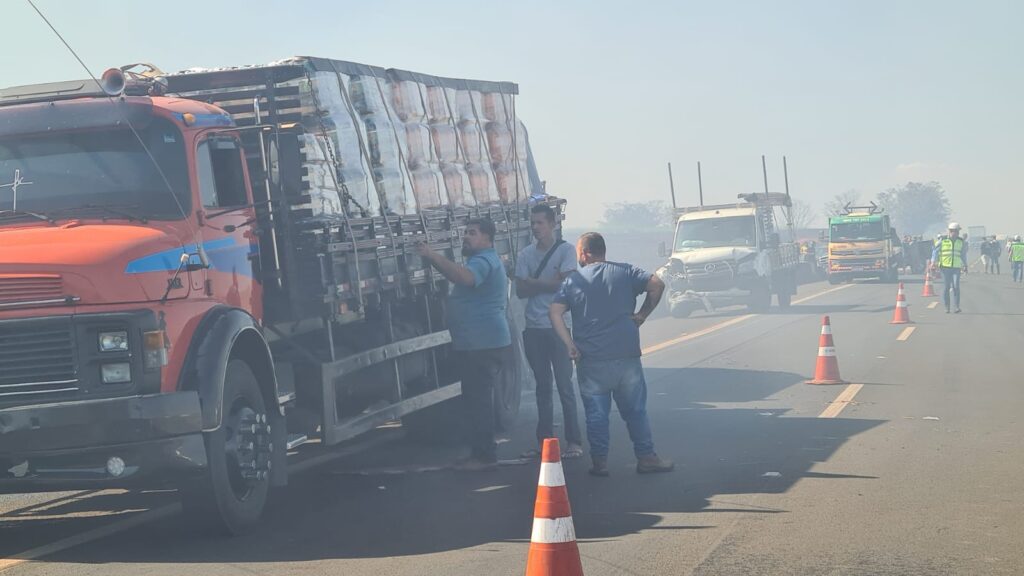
<point x="927" y="292"/>
<point x="553" y="550"/>
<point x="827" y="369"/>
<point x="902" y="314"/>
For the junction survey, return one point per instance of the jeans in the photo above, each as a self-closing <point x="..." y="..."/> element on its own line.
<point x="1018" y="271"/>
<point x="548" y="357"/>
<point x="951" y="282"/>
<point x="479" y="371"/>
<point x="623" y="380"/>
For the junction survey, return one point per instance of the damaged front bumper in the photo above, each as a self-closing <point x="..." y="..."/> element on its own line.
<point x="116" y="442"/>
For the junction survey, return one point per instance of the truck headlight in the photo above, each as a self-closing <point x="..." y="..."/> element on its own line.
<point x="113" y="341"/>
<point x="117" y="373"/>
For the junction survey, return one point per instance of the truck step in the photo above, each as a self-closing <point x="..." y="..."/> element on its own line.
<point x="296" y="440"/>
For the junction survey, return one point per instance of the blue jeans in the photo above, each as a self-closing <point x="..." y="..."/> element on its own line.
<point x="1018" y="271"/>
<point x="951" y="282"/>
<point x="623" y="380"/>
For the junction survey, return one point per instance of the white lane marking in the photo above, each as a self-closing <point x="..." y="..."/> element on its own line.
<point x="906" y="333"/>
<point x="167" y="510"/>
<point x="716" y="327"/>
<point x="551" y="474"/>
<point x="492" y="488"/>
<point x="933" y="305"/>
<point x="841" y="401"/>
<point x="553" y="531"/>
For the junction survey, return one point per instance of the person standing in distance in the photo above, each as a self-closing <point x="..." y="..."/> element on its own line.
<point x="540" y="269"/>
<point x="1017" y="258"/>
<point x="477" y="321"/>
<point x="602" y="296"/>
<point x="950" y="254"/>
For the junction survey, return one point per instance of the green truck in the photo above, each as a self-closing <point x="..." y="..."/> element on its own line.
<point x="863" y="244"/>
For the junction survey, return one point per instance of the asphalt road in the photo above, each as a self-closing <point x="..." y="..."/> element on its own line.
<point x="918" y="473"/>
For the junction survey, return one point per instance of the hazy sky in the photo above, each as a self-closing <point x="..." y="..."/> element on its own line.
<point x="858" y="94"/>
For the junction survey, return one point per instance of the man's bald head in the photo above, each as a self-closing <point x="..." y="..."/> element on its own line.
<point x="590" y="248"/>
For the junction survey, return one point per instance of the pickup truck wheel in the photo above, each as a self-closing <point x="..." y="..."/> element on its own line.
<point x="833" y="279"/>
<point x="231" y="496"/>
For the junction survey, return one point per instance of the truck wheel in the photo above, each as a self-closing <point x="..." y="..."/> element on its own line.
<point x="232" y="494"/>
<point x="681" y="310"/>
<point x="785" y="300"/>
<point x="833" y="279"/>
<point x="760" y="299"/>
<point x="509" y="392"/>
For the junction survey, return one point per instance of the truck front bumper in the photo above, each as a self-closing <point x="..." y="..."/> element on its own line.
<point x="117" y="442"/>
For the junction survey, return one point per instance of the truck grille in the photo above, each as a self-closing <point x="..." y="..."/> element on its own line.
<point x="719" y="269"/>
<point x="37" y="360"/>
<point x="29" y="288"/>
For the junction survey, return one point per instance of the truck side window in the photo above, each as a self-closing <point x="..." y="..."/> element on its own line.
<point x="219" y="167"/>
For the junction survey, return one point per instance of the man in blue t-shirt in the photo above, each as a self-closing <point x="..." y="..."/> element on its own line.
<point x="479" y="328"/>
<point x="605" y="343"/>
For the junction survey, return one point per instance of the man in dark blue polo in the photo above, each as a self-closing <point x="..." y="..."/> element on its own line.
<point x="605" y="343"/>
<point x="478" y="324"/>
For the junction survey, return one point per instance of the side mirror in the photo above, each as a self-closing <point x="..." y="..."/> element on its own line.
<point x="662" y="250"/>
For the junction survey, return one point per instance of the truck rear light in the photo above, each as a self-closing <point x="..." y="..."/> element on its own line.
<point x="116" y="373"/>
<point x="154" y="349"/>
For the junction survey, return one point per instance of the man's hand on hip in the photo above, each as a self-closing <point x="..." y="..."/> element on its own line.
<point x="639" y="319"/>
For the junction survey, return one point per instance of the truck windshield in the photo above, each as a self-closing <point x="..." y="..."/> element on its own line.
<point x="715" y="232"/>
<point x="56" y="173"/>
<point x="867" y="230"/>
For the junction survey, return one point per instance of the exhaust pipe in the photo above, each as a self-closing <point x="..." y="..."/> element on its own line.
<point x="112" y="82"/>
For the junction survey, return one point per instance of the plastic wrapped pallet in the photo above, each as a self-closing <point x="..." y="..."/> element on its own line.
<point x="381" y="140"/>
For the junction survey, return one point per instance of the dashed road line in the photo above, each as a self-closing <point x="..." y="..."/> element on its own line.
<point x="906" y="333"/>
<point x="845" y="397"/>
<point x="716" y="327"/>
<point x="933" y="305"/>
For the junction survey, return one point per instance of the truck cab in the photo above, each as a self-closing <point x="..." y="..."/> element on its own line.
<point x="730" y="254"/>
<point x="863" y="244"/>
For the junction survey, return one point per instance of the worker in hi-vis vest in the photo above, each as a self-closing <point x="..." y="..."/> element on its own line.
<point x="950" y="256"/>
<point x="1017" y="258"/>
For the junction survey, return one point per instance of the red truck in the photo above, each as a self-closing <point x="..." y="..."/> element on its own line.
<point x="201" y="271"/>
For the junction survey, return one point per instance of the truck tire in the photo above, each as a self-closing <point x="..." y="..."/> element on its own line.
<point x="760" y="299"/>
<point x="785" y="300"/>
<point x="509" y="391"/>
<point x="231" y="496"/>
<point x="681" y="310"/>
<point x="833" y="279"/>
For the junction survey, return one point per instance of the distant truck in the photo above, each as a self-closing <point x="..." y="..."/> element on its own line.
<point x="731" y="254"/>
<point x="863" y="244"/>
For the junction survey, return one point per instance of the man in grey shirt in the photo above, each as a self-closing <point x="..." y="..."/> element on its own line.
<point x="540" y="269"/>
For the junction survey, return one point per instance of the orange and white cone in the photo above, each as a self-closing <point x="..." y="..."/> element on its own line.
<point x="826" y="371"/>
<point x="901" y="315"/>
<point x="553" y="550"/>
<point x="927" y="291"/>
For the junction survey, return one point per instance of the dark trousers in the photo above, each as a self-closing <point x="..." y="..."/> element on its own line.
<point x="479" y="371"/>
<point x="951" y="283"/>
<point x="549" y="358"/>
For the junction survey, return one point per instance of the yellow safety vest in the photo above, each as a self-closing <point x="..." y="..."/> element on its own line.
<point x="949" y="253"/>
<point x="1017" y="252"/>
